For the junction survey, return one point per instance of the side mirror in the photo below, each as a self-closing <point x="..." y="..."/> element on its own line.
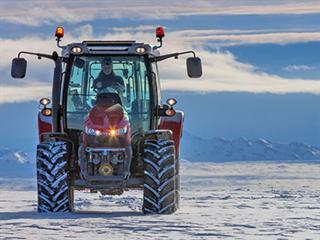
<point x="18" y="68"/>
<point x="194" y="67"/>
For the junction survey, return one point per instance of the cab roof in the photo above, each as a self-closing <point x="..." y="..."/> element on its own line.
<point x="108" y="48"/>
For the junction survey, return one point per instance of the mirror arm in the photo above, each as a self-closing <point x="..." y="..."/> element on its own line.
<point x="40" y="55"/>
<point x="194" y="54"/>
<point x="175" y="55"/>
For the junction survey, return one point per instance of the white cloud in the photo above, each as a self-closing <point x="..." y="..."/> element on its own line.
<point x="211" y="38"/>
<point x="135" y="28"/>
<point x="223" y="73"/>
<point x="294" y="67"/>
<point x="24" y="92"/>
<point x="9" y="48"/>
<point x="58" y="11"/>
<point x="221" y="70"/>
<point x="228" y="37"/>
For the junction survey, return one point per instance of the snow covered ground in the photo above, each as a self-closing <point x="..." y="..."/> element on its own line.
<point x="239" y="200"/>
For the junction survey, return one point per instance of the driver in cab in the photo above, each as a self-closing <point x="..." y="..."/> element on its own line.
<point x="108" y="86"/>
<point x="107" y="78"/>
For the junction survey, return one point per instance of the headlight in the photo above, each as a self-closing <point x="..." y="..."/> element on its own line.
<point x="46" y="112"/>
<point x="140" y="50"/>
<point x="90" y="131"/>
<point x="122" y="131"/>
<point x="110" y="132"/>
<point x="119" y="131"/>
<point x="76" y="50"/>
<point x="44" y="101"/>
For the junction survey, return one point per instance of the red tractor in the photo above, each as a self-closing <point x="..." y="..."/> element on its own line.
<point x="106" y="129"/>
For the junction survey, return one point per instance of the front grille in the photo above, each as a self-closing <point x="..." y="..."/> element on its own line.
<point x="107" y="141"/>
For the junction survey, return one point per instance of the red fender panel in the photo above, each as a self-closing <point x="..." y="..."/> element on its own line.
<point x="44" y="124"/>
<point x="175" y="124"/>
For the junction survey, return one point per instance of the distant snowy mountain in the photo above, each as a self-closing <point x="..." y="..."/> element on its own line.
<point x="242" y="149"/>
<point x="18" y="164"/>
<point x="15" y="164"/>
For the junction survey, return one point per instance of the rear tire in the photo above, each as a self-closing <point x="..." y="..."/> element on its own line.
<point x="161" y="180"/>
<point x="54" y="192"/>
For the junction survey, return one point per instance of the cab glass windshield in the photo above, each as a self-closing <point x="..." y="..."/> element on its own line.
<point x="124" y="75"/>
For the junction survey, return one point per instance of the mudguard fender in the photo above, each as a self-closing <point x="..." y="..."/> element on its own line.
<point x="44" y="124"/>
<point x="175" y="125"/>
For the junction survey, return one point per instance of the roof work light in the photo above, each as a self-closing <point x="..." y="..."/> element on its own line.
<point x="160" y="32"/>
<point x="59" y="32"/>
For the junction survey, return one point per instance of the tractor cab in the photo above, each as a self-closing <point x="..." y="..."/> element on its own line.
<point x="106" y="128"/>
<point x="127" y="84"/>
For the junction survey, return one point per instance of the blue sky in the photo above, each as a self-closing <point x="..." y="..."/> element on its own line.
<point x="260" y="60"/>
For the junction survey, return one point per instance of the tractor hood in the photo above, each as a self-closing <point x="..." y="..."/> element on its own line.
<point x="106" y="116"/>
<point x="107" y="126"/>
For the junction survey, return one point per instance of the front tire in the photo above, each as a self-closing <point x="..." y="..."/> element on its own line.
<point x="54" y="192"/>
<point x="161" y="189"/>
